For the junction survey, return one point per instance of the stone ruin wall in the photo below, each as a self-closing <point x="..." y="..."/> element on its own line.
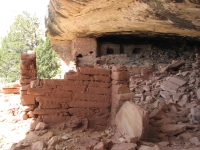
<point x="92" y="95"/>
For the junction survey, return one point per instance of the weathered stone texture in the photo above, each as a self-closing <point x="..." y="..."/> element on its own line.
<point x="85" y="94"/>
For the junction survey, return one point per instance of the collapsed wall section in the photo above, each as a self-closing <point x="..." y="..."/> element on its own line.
<point x="84" y="94"/>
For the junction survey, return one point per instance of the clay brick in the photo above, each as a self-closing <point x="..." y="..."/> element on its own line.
<point x="94" y="71"/>
<point x="122" y="75"/>
<point x="102" y="78"/>
<point x="92" y="97"/>
<point x="84" y="104"/>
<point x="10" y="90"/>
<point x="78" y="77"/>
<point x="118" y="68"/>
<point x="39" y="111"/>
<point x="123" y="97"/>
<point x="62" y="94"/>
<point x="27" y="100"/>
<point x="120" y="89"/>
<point x="49" y="105"/>
<point x="99" y="84"/>
<point x="51" y="99"/>
<point x="98" y="90"/>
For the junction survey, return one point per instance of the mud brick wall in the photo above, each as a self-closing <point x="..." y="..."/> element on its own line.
<point x="28" y="72"/>
<point x="85" y="94"/>
<point x="120" y="89"/>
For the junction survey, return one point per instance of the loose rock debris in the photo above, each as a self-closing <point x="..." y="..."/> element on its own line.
<point x="171" y="98"/>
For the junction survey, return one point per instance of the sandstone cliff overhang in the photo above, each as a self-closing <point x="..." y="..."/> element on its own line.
<point x="94" y="18"/>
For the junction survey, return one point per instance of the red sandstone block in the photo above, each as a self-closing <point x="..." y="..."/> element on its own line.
<point x="27" y="81"/>
<point x="85" y="104"/>
<point x="84" y="46"/>
<point x="49" y="105"/>
<point x="24" y="92"/>
<point x="52" y="99"/>
<point x="92" y="97"/>
<point x="77" y="111"/>
<point x="27" y="100"/>
<point x="65" y="105"/>
<point x="78" y="77"/>
<point x="115" y="82"/>
<point x="74" y="88"/>
<point x="119" y="68"/>
<point x="25" y="87"/>
<point x="37" y="91"/>
<point x="40" y="111"/>
<point x="122" y="75"/>
<point x="75" y="83"/>
<point x="102" y="78"/>
<point x="53" y="82"/>
<point x="24" y="72"/>
<point x="99" y="121"/>
<point x="98" y="90"/>
<point x="102" y="111"/>
<point x="62" y="94"/>
<point x="99" y="84"/>
<point x="94" y="71"/>
<point x="120" y="89"/>
<point x="49" y="119"/>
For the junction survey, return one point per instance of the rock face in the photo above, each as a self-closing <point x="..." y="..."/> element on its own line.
<point x="132" y="120"/>
<point x="93" y="18"/>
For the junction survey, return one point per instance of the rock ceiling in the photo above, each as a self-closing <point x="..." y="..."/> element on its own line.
<point x="68" y="19"/>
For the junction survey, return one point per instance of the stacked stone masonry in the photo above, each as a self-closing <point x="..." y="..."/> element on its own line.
<point x="120" y="89"/>
<point x="85" y="94"/>
<point x="28" y="73"/>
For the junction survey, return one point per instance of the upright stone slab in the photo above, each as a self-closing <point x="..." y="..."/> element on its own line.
<point x="132" y="120"/>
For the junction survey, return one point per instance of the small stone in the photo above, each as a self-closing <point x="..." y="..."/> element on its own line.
<point x="198" y="93"/>
<point x="195" y="140"/>
<point x="53" y="141"/>
<point x="47" y="135"/>
<point x="124" y="146"/>
<point x="39" y="145"/>
<point x="173" y="129"/>
<point x="40" y="126"/>
<point x="24" y="116"/>
<point x="99" y="146"/>
<point x="165" y="95"/>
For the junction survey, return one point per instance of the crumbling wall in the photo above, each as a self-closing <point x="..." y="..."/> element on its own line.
<point x="85" y="94"/>
<point x="28" y="72"/>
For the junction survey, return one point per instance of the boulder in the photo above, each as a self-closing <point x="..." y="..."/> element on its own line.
<point x="132" y="120"/>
